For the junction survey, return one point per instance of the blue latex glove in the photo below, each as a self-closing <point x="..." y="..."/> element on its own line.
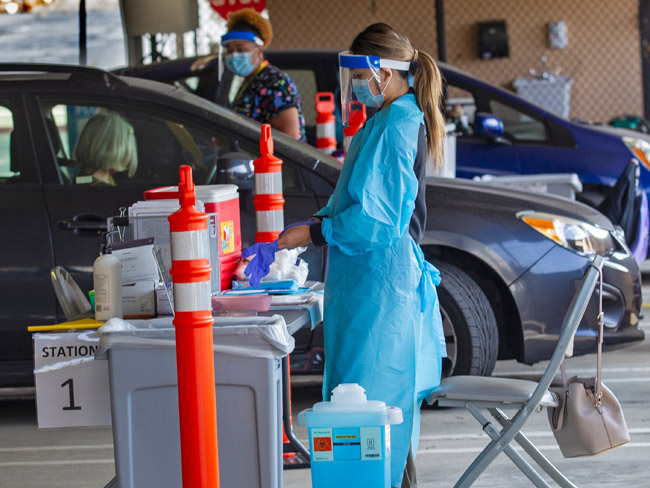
<point x="260" y="265"/>
<point x="305" y="222"/>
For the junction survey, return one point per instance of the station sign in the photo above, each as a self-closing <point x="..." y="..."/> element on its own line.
<point x="72" y="388"/>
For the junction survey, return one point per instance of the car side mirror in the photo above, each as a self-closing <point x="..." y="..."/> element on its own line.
<point x="490" y="127"/>
<point x="236" y="168"/>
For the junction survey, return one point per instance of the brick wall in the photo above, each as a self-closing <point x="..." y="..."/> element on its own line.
<point x="603" y="55"/>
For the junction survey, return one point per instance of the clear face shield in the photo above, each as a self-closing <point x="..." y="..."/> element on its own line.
<point x="356" y="74"/>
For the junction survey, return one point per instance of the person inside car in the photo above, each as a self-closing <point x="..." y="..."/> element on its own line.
<point x="105" y="146"/>
<point x="266" y="94"/>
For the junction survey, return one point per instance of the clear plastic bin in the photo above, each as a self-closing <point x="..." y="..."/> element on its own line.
<point x="561" y="184"/>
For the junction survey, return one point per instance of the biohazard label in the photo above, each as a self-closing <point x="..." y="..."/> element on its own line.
<point x="371" y="446"/>
<point x="321" y="444"/>
<point x="227" y="235"/>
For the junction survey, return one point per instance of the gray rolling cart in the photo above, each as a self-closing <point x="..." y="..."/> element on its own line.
<point x="144" y="401"/>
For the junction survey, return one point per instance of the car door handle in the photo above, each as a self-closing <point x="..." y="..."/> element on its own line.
<point x="85" y="223"/>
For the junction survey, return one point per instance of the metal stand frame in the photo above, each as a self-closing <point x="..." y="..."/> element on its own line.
<point x="495" y="394"/>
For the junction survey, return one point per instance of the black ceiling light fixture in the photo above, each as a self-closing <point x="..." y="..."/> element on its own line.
<point x="493" y="40"/>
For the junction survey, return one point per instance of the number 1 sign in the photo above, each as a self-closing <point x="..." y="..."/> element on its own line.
<point x="72" y="387"/>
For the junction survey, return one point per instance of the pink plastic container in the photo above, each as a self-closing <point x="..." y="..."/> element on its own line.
<point x="252" y="303"/>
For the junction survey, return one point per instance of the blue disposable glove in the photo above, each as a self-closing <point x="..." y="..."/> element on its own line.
<point x="260" y="265"/>
<point x="305" y="222"/>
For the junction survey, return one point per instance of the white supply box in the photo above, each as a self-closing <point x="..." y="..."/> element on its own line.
<point x="139" y="300"/>
<point x="138" y="260"/>
<point x="149" y="218"/>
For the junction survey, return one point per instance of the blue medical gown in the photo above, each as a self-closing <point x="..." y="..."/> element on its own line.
<point x="382" y="325"/>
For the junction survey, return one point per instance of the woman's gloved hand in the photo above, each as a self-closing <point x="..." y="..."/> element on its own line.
<point x="304" y="222"/>
<point x="260" y="265"/>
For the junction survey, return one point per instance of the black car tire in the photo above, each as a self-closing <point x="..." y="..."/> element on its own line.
<point x="469" y="324"/>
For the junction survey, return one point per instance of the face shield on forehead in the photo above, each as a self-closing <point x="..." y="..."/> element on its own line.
<point x="348" y="66"/>
<point x="241" y="36"/>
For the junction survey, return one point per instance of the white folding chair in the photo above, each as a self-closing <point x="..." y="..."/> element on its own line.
<point x="496" y="394"/>
<point x="72" y="300"/>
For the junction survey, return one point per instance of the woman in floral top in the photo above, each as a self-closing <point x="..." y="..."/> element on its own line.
<point x="267" y="94"/>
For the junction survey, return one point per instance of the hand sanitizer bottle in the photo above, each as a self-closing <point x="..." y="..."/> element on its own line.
<point x="107" y="278"/>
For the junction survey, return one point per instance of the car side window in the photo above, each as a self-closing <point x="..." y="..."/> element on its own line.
<point x="305" y="80"/>
<point x="150" y="147"/>
<point x="160" y="144"/>
<point x="518" y="125"/>
<point x="460" y="107"/>
<point x="9" y="155"/>
<point x="190" y="83"/>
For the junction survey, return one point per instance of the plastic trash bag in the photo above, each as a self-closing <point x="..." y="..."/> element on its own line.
<point x="287" y="267"/>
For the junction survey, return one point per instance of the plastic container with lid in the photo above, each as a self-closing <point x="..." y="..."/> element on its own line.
<point x="349" y="439"/>
<point x="144" y="400"/>
<point x="222" y="200"/>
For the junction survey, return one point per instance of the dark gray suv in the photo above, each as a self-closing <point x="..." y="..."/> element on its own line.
<point x="506" y="282"/>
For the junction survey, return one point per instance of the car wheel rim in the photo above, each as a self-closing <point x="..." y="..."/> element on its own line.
<point x="449" y="363"/>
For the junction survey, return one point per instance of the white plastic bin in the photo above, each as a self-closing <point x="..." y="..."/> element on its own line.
<point x="553" y="94"/>
<point x="561" y="184"/>
<point x="448" y="169"/>
<point x="144" y="400"/>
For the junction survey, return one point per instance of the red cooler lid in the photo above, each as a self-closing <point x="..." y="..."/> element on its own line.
<point x="206" y="193"/>
<point x="162" y="193"/>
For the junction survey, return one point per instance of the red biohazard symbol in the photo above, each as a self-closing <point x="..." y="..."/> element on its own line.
<point x="322" y="444"/>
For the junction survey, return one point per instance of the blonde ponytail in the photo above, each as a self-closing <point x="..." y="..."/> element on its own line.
<point x="428" y="93"/>
<point x="382" y="40"/>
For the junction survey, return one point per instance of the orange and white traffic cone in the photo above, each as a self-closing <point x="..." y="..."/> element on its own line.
<point x="194" y="346"/>
<point x="356" y="119"/>
<point x="325" y="122"/>
<point x="268" y="201"/>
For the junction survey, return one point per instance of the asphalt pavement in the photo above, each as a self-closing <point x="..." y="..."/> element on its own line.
<point x="450" y="438"/>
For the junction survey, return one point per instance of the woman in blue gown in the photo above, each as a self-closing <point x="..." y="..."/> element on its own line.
<point x="382" y="323"/>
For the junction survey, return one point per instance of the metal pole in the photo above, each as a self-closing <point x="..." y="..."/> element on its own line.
<point x="286" y="411"/>
<point x="82" y="33"/>
<point x="440" y="30"/>
<point x="644" y="31"/>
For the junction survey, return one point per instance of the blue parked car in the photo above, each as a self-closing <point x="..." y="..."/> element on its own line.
<point x="533" y="140"/>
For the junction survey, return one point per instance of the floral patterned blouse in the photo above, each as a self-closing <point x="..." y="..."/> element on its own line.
<point x="269" y="93"/>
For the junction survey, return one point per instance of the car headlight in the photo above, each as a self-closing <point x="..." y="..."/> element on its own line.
<point x="640" y="148"/>
<point x="12" y="7"/>
<point x="572" y="234"/>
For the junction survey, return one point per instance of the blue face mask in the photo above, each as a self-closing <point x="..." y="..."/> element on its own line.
<point x="361" y="89"/>
<point x="240" y="63"/>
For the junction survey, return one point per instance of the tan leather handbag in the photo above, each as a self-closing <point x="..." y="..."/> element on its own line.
<point x="589" y="419"/>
